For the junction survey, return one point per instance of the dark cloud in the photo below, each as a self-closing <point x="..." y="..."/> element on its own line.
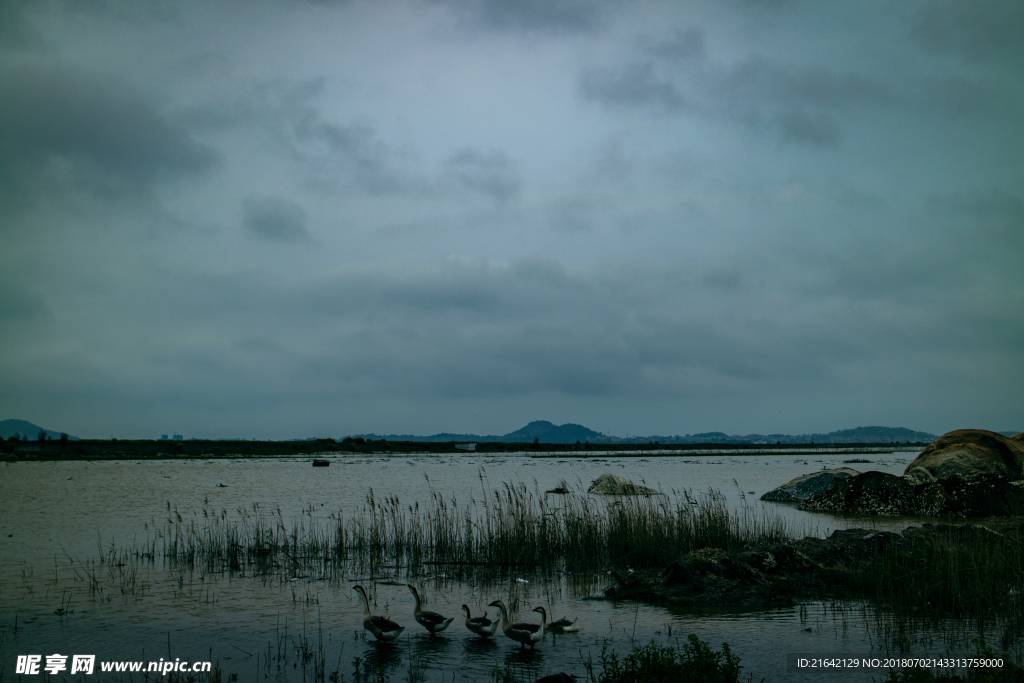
<point x="352" y="156"/>
<point x="274" y="218"/>
<point x="798" y="126"/>
<point x="764" y="81"/>
<point x="574" y="214"/>
<point x="962" y="96"/>
<point x="491" y="173"/>
<point x="683" y="45"/>
<point x="15" y="30"/>
<point x="18" y="305"/>
<point x="634" y="85"/>
<point x="277" y="106"/>
<point x="550" y="16"/>
<point x="990" y="218"/>
<point x="60" y="122"/>
<point x="978" y="31"/>
<point x="799" y="104"/>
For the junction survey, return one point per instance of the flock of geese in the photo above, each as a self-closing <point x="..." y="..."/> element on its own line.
<point x="523" y="632"/>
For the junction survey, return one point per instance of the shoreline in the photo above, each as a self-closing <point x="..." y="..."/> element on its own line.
<point x="114" y="449"/>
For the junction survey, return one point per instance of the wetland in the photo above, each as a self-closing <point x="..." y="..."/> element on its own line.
<point x="252" y="563"/>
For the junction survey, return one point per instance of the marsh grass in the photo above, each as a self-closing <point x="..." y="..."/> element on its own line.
<point x="960" y="572"/>
<point x="512" y="527"/>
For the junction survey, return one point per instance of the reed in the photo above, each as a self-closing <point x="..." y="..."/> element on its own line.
<point x="956" y="571"/>
<point x="510" y="527"/>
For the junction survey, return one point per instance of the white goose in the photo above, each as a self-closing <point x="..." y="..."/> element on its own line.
<point x="384" y="629"/>
<point x="563" y="625"/>
<point x="432" y="621"/>
<point x="522" y="632"/>
<point x="482" y="626"/>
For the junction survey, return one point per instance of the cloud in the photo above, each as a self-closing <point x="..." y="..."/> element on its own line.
<point x="766" y="81"/>
<point x="798" y="126"/>
<point x="683" y="45"/>
<point x="547" y="16"/>
<point x="274" y="218"/>
<point x="977" y="31"/>
<point x="59" y="125"/>
<point x="18" y="305"/>
<point x="491" y="173"/>
<point x="15" y="30"/>
<point x="799" y="104"/>
<point x="573" y="214"/>
<point x="634" y="85"/>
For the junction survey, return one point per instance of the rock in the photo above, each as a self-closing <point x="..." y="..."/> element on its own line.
<point x="966" y="452"/>
<point x="611" y="485"/>
<point x="755" y="576"/>
<point x="879" y="493"/>
<point x="557" y="678"/>
<point x="777" y="573"/>
<point x="806" y="485"/>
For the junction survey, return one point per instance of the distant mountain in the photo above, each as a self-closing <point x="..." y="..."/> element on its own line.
<point x="857" y="435"/>
<point x="542" y="430"/>
<point x="547" y="432"/>
<point x="550" y="433"/>
<point x="878" y="435"/>
<point x="26" y="430"/>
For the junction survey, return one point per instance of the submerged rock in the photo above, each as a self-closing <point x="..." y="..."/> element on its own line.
<point x="612" y="485"/>
<point x="807" y="485"/>
<point x="879" y="493"/>
<point x="966" y="452"/>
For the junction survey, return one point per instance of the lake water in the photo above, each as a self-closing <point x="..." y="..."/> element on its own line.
<point x="58" y="518"/>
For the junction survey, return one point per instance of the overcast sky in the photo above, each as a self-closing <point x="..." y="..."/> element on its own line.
<point x="287" y="218"/>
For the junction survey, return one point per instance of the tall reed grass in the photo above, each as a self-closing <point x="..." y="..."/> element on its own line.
<point x="955" y="570"/>
<point x="510" y="527"/>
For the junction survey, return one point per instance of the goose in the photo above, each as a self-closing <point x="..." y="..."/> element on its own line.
<point x="482" y="626"/>
<point x="563" y="625"/>
<point x="432" y="621"/>
<point x="384" y="629"/>
<point x="521" y="631"/>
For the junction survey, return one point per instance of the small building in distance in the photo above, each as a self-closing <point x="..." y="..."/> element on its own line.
<point x="466" y="446"/>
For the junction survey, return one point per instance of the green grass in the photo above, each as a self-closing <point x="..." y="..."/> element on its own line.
<point x="694" y="662"/>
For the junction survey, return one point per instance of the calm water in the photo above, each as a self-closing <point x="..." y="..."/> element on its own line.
<point x="55" y="518"/>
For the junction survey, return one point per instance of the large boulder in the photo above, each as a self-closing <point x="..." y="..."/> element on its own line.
<point x="880" y="493"/>
<point x="966" y="452"/>
<point x="611" y="485"/>
<point x="807" y="485"/>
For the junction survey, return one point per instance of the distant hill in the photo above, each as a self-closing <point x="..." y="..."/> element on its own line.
<point x="547" y="432"/>
<point x="26" y="430"/>
<point x="542" y="430"/>
<point x="878" y="435"/>
<point x="551" y="433"/>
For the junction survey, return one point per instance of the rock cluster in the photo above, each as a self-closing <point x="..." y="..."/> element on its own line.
<point x="612" y="485"/>
<point x="807" y="485"/>
<point x="965" y="473"/>
<point x="879" y="493"/>
<point x="778" y="573"/>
